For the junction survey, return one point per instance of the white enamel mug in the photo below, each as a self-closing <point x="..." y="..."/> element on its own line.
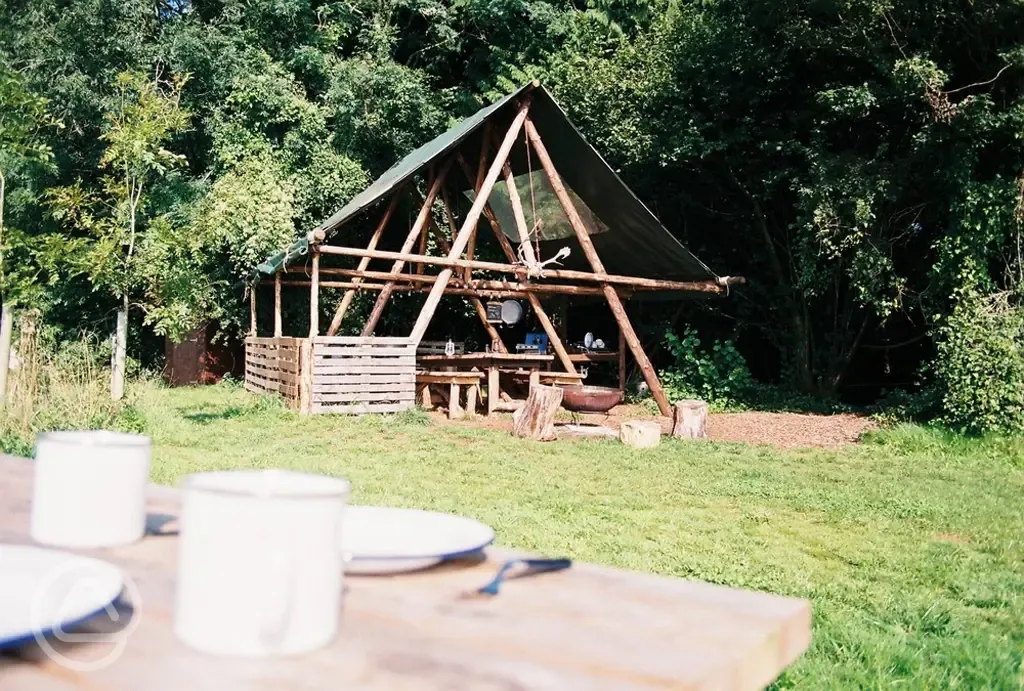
<point x="90" y="488"/>
<point x="259" y="564"/>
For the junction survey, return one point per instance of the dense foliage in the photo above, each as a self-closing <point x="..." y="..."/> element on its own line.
<point x="859" y="160"/>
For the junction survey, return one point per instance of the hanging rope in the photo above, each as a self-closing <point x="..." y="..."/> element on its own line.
<point x="535" y="268"/>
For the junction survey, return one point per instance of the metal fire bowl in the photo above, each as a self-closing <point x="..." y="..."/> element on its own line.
<point x="590" y="399"/>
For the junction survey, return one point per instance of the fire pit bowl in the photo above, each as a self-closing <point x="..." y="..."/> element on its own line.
<point x="590" y="399"/>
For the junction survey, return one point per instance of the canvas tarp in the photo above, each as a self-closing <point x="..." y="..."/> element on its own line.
<point x="628" y="237"/>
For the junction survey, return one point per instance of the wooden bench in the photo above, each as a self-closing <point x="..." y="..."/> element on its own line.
<point x="536" y="376"/>
<point x="455" y="381"/>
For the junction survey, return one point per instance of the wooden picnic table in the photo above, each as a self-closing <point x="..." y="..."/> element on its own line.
<point x="589" y="627"/>
<point x="493" y="364"/>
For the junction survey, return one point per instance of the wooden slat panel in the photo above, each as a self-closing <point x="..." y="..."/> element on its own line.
<point x="364" y="396"/>
<point x="288" y="360"/>
<point x="361" y="408"/>
<point x="360" y="340"/>
<point x="289" y="376"/>
<point x="287" y="341"/>
<point x="403" y="378"/>
<point x="356" y="351"/>
<point x="398" y="387"/>
<point x="287" y="368"/>
<point x="359" y="367"/>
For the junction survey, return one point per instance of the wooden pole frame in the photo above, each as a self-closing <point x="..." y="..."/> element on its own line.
<point x="478" y="306"/>
<point x="618" y="310"/>
<point x="314" y="295"/>
<point x="346" y="300"/>
<point x="278" y="329"/>
<point x="410" y="240"/>
<point x="471" y="220"/>
<point x="636" y="283"/>
<point x="527" y="249"/>
<point x="252" y="311"/>
<point x="483" y="284"/>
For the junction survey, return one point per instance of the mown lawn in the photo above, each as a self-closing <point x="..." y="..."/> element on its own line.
<point x="910" y="546"/>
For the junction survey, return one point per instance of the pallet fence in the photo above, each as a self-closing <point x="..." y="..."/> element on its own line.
<point x="272" y="365"/>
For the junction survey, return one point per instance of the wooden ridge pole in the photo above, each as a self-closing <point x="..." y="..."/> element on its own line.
<point x="346" y="300"/>
<point x="710" y="286"/>
<point x="417" y="228"/>
<point x="470" y="222"/>
<point x="618" y="310"/>
<point x="277" y="305"/>
<point x="314" y="295"/>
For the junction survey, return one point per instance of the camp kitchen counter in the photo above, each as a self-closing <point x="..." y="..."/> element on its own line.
<point x="589" y="627"/>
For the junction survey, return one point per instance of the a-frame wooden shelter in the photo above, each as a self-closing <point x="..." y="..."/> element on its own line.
<point x="366" y="374"/>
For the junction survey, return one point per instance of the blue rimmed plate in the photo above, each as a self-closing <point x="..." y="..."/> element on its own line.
<point x="382" y="540"/>
<point x="43" y="591"/>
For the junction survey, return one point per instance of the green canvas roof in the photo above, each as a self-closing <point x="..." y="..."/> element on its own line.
<point x="627" y="236"/>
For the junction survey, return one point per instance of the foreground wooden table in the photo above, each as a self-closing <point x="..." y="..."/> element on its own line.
<point x="586" y="628"/>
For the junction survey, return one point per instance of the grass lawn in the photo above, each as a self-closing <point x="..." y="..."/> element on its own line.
<point x="910" y="546"/>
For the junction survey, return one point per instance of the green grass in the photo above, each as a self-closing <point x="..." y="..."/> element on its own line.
<point x="909" y="546"/>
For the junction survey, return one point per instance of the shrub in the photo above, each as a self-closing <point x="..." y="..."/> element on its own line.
<point x="60" y="386"/>
<point x="979" y="365"/>
<point x="718" y="375"/>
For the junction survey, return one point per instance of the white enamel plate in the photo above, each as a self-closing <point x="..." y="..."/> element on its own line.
<point x="380" y="540"/>
<point x="46" y="590"/>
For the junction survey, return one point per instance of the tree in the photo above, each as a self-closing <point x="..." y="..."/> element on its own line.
<point x="23" y="116"/>
<point x="143" y="115"/>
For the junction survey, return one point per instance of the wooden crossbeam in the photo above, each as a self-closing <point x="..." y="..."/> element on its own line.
<point x="711" y="287"/>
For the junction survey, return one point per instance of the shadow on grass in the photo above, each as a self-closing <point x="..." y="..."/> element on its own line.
<point x="205" y="417"/>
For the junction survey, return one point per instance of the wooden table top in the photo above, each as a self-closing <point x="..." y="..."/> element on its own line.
<point x="589" y="627"/>
<point x="486" y="357"/>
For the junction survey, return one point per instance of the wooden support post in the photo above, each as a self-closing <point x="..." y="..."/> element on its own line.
<point x="622" y="361"/>
<point x="618" y="310"/>
<point x="454" y="409"/>
<point x="423" y="396"/>
<point x="364" y="262"/>
<point x="493" y="389"/>
<point x="534" y="377"/>
<point x="252" y="310"/>
<point x="420" y="266"/>
<point x="277" y="305"/>
<point x="305" y="376"/>
<point x="410" y="240"/>
<point x="471" y="395"/>
<point x="314" y="296"/>
<point x="470" y="222"/>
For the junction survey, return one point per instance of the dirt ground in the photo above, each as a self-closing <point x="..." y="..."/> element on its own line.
<point x="783" y="430"/>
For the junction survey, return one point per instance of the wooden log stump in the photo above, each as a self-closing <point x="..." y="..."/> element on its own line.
<point x="689" y="420"/>
<point x="640" y="434"/>
<point x="536" y="419"/>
